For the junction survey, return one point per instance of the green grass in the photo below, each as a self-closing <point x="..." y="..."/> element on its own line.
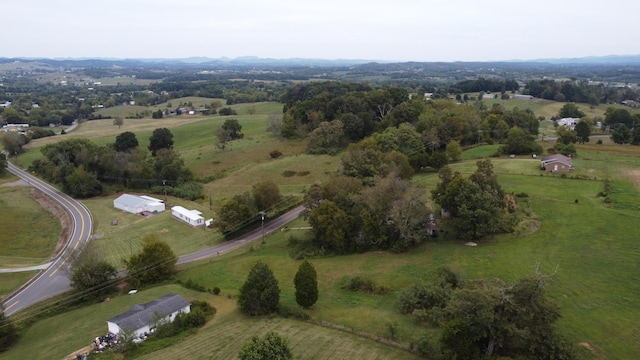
<point x="29" y="233"/>
<point x="224" y="339"/>
<point x="11" y="281"/>
<point x="117" y="242"/>
<point x="594" y="247"/>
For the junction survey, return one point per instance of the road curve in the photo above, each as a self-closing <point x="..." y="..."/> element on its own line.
<point x="54" y="279"/>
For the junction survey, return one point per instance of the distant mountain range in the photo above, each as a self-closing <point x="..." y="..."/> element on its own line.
<point x="256" y="61"/>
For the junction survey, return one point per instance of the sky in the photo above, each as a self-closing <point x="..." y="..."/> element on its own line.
<point x="391" y="30"/>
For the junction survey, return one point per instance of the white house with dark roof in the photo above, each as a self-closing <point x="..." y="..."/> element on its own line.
<point x="191" y="217"/>
<point x="138" y="204"/>
<point x="141" y="318"/>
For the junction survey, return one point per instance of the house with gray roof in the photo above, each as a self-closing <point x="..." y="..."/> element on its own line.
<point x="556" y="163"/>
<point x="138" y="204"/>
<point x="142" y="318"/>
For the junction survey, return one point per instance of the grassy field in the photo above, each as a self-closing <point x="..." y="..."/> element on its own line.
<point x="11" y="281"/>
<point x="29" y="233"/>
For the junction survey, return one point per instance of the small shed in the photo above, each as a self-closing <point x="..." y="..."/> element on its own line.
<point x="142" y="318"/>
<point x="137" y="204"/>
<point x="191" y="217"/>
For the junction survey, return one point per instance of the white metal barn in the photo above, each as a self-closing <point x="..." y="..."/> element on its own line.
<point x="191" y="217"/>
<point x="141" y="318"/>
<point x="137" y="204"/>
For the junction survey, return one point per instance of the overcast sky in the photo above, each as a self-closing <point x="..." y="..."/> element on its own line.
<point x="399" y="30"/>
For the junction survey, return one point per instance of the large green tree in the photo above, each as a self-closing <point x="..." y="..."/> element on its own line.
<point x="331" y="227"/>
<point x="236" y="212"/>
<point x="520" y="141"/>
<point x="621" y="135"/>
<point x="326" y="138"/>
<point x="155" y="262"/>
<point x="570" y="110"/>
<point x="91" y="274"/>
<point x="271" y="347"/>
<point x="162" y="138"/>
<point x="266" y="194"/>
<point x="81" y="184"/>
<point x="260" y="294"/>
<point x="491" y="318"/>
<point x="476" y="204"/>
<point x="583" y="131"/>
<point x="125" y="141"/>
<point x="306" y="284"/>
<point x="13" y="142"/>
<point x="234" y="128"/>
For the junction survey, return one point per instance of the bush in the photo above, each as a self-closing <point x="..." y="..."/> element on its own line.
<point x="275" y="154"/>
<point x="225" y="111"/>
<point x="365" y="285"/>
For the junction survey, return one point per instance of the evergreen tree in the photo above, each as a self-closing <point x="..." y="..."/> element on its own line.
<point x="260" y="294"/>
<point x="306" y="282"/>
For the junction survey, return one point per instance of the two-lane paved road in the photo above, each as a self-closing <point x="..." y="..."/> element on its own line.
<point x="53" y="280"/>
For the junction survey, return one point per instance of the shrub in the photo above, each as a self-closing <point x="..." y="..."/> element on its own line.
<point x="365" y="285"/>
<point x="275" y="154"/>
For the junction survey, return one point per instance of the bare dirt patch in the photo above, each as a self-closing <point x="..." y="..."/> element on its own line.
<point x="57" y="212"/>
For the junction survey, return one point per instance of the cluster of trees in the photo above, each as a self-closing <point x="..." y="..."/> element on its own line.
<point x="486" y="318"/>
<point x="260" y="293"/>
<point x="348" y="216"/>
<point x="476" y="204"/>
<point x="93" y="276"/>
<point x="228" y="131"/>
<point x="81" y="166"/>
<point x="247" y="208"/>
<point x="482" y="84"/>
<point x="335" y="115"/>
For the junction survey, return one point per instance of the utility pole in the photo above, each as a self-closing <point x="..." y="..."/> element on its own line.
<point x="164" y="187"/>
<point x="262" y="213"/>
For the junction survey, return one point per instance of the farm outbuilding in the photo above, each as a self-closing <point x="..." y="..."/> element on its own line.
<point x="138" y="204"/>
<point x="142" y="318"/>
<point x="191" y="217"/>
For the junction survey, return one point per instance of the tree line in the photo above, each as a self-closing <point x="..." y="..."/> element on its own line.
<point x="82" y="167"/>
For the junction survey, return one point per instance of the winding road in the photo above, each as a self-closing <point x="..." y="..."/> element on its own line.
<point x="54" y="280"/>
